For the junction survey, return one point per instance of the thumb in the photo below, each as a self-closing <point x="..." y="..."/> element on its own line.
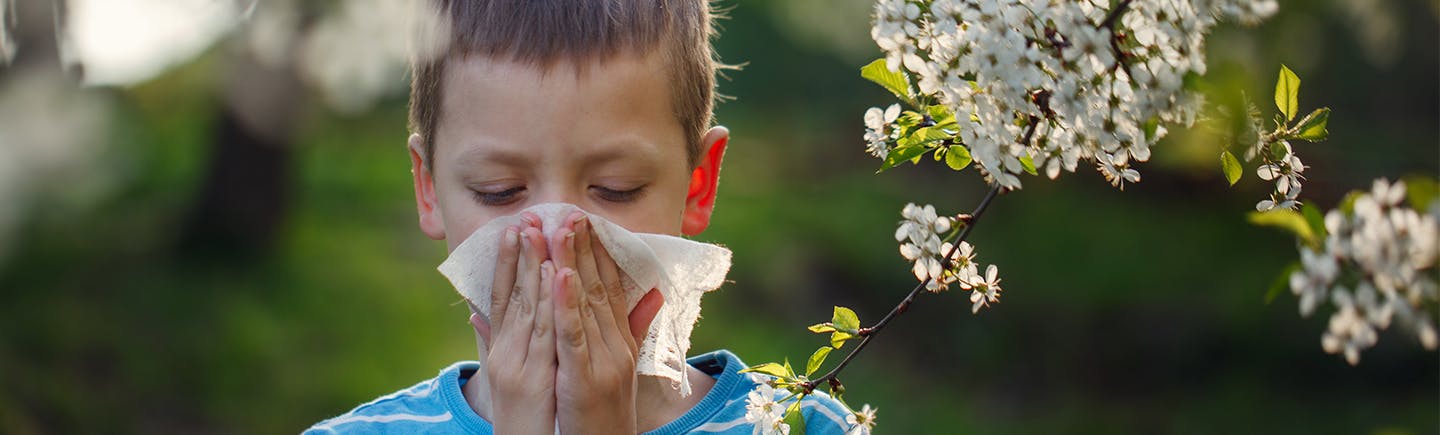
<point x="644" y="313"/>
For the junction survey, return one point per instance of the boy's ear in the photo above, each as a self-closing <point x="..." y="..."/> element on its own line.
<point x="425" y="202"/>
<point x="700" y="201"/>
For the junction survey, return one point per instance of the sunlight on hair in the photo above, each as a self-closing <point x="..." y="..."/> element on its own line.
<point x="122" y="42"/>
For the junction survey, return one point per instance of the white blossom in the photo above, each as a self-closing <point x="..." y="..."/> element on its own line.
<point x="1056" y="82"/>
<point x="762" y="411"/>
<point x="985" y="290"/>
<point x="861" y="422"/>
<point x="878" y="131"/>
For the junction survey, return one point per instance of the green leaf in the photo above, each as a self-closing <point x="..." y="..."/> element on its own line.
<point x="902" y="154"/>
<point x="1287" y="92"/>
<point x="957" y="157"/>
<point x="1315" y="219"/>
<point x="816" y="359"/>
<point x="1421" y="192"/>
<point x="795" y="418"/>
<point x="1231" y="166"/>
<point x="838" y="338"/>
<point x="893" y="81"/>
<point x="771" y="369"/>
<point x="1027" y="164"/>
<point x="1347" y="203"/>
<point x="1152" y="125"/>
<point x="941" y="115"/>
<point x="1281" y="283"/>
<point x="845" y="319"/>
<point x="923" y="136"/>
<point x="1287" y="220"/>
<point x="822" y="328"/>
<point x="1312" y="126"/>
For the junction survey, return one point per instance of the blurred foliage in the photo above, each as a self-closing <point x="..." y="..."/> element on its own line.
<point x="1134" y="312"/>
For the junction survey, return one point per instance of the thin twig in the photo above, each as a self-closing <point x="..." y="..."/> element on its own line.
<point x="872" y="331"/>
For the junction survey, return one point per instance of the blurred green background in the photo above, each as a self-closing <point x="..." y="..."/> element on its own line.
<point x="171" y="276"/>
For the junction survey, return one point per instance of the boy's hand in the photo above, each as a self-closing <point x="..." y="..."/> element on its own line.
<point x="596" y="338"/>
<point x="522" y="371"/>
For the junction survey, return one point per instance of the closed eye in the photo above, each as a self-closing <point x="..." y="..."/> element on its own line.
<point x="614" y="195"/>
<point x="500" y="198"/>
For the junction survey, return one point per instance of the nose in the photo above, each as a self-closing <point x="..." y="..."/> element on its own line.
<point x="558" y="192"/>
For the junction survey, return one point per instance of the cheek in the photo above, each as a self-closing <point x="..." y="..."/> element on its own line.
<point x="460" y="214"/>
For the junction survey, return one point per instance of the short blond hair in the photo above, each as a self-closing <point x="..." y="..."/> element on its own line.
<point x="545" y="32"/>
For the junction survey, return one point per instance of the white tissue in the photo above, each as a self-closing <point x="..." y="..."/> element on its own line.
<point x="681" y="269"/>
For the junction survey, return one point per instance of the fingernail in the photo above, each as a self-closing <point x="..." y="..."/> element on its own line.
<point x="570" y="240"/>
<point x="511" y="236"/>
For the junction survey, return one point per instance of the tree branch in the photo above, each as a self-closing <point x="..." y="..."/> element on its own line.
<point x="872" y="331"/>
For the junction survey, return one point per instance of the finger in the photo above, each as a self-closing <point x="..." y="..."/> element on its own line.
<point x="644" y="314"/>
<point x="505" y="269"/>
<point x="600" y="296"/>
<point x="542" y="345"/>
<point x="609" y="274"/>
<point x="520" y="310"/>
<point x="563" y="247"/>
<point x="571" y="345"/>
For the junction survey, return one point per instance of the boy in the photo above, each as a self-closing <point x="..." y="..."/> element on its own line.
<point x="605" y="105"/>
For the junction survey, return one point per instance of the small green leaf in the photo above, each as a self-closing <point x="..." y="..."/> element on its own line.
<point x="845" y="319"/>
<point x="1281" y="282"/>
<point x="957" y="157"/>
<point x="795" y="418"/>
<point x="1288" y="220"/>
<point x="1312" y="126"/>
<point x="1231" y="166"/>
<point x="789" y="371"/>
<point x="902" y="154"/>
<point x="1421" y="192"/>
<point x="822" y="328"/>
<point x="1315" y="219"/>
<point x="1287" y="92"/>
<point x="771" y="369"/>
<point x="838" y="338"/>
<point x="1027" y="164"/>
<point x="1347" y="203"/>
<point x="816" y="359"/>
<point x="1152" y="125"/>
<point x="923" y="136"/>
<point x="893" y="81"/>
<point x="942" y="116"/>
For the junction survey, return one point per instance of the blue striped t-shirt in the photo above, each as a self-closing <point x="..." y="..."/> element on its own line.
<point x="438" y="406"/>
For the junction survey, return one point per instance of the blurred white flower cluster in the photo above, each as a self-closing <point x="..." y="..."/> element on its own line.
<point x="921" y="236"/>
<point x="1378" y="263"/>
<point x="1045" y="84"/>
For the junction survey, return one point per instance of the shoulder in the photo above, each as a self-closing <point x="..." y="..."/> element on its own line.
<point x="728" y="405"/>
<point x="434" y="405"/>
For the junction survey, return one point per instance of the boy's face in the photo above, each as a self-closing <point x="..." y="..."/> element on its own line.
<point x="605" y="139"/>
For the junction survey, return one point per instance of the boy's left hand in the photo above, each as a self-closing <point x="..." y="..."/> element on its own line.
<point x="596" y="336"/>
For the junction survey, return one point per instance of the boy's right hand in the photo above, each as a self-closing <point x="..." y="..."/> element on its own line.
<point x="522" y="373"/>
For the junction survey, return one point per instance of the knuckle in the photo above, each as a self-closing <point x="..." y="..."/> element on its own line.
<point x="617" y="291"/>
<point x="597" y="292"/>
<point x="574" y="337"/>
<point x="540" y="330"/>
<point x="519" y="302"/>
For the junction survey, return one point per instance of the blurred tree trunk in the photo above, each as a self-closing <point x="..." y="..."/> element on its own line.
<point x="240" y="209"/>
